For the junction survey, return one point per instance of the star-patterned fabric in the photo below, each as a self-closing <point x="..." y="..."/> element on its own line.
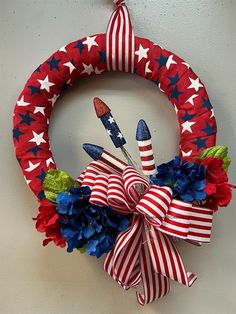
<point x="87" y="57"/>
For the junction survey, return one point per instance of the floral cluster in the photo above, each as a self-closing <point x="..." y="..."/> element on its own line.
<point x="218" y="190"/>
<point x="186" y="179"/>
<point x="84" y="226"/>
<point x="204" y="180"/>
<point x="67" y="217"/>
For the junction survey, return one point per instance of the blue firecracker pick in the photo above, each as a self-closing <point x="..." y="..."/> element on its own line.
<point x="142" y="133"/>
<point x="143" y="137"/>
<point x="94" y="151"/>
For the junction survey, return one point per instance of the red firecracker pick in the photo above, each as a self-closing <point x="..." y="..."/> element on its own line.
<point x="100" y="107"/>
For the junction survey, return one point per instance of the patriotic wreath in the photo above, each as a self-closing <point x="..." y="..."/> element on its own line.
<point x="111" y="207"/>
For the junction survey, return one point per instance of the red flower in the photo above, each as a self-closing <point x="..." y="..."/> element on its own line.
<point x="46" y="221"/>
<point x="215" y="172"/>
<point x="218" y="190"/>
<point x="218" y="194"/>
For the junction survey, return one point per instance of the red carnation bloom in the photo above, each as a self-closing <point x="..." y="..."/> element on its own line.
<point x="46" y="221"/>
<point x="218" y="190"/>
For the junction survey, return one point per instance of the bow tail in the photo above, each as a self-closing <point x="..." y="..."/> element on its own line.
<point x="166" y="258"/>
<point x="188" y="222"/>
<point x="155" y="285"/>
<point x="122" y="263"/>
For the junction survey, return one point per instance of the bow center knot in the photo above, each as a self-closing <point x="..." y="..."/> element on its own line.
<point x="155" y="204"/>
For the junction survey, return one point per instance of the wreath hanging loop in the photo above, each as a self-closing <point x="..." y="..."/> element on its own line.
<point x="119" y="2"/>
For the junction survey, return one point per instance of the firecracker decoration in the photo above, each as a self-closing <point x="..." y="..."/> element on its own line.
<point x="112" y="208"/>
<point x="104" y="114"/>
<point x="143" y="137"/>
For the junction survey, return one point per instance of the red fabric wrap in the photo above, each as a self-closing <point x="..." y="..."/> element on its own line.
<point x="87" y="57"/>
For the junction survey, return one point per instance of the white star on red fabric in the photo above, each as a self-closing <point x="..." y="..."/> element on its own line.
<point x="88" y="69"/>
<point x="97" y="71"/>
<point x="190" y="100"/>
<point x="147" y="70"/>
<point x="176" y="109"/>
<point x="22" y="103"/>
<point x="186" y="154"/>
<point x="32" y="166"/>
<point x="45" y="84"/>
<point x="27" y="181"/>
<point x="170" y="61"/>
<point x="49" y="161"/>
<point x="212" y="113"/>
<point x="37" y="138"/>
<point x="195" y="84"/>
<point x="54" y="99"/>
<point x="141" y="53"/>
<point x="186" y="64"/>
<point x="39" y="109"/>
<point x="90" y="42"/>
<point x="187" y="126"/>
<point x="70" y="66"/>
<point x="159" y="86"/>
<point x="63" y="49"/>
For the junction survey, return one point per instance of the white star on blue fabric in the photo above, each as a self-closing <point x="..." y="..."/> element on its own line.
<point x="109" y="132"/>
<point x="111" y="120"/>
<point x="120" y="135"/>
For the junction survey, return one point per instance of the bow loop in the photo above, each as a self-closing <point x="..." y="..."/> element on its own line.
<point x="135" y="185"/>
<point x="99" y="191"/>
<point x="116" y="195"/>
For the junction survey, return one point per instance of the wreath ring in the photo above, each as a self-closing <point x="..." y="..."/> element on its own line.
<point x="76" y="60"/>
<point x="120" y="50"/>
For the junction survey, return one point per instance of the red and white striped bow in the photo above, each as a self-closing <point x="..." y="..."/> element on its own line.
<point x="145" y="253"/>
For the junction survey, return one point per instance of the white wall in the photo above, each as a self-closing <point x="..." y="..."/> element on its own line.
<point x="48" y="280"/>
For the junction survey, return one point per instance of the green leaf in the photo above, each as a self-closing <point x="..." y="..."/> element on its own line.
<point x="83" y="249"/>
<point x="227" y="162"/>
<point x="55" y="182"/>
<point x="217" y="152"/>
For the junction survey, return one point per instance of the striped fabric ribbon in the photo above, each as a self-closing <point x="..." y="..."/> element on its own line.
<point x="145" y="253"/>
<point x="120" y="41"/>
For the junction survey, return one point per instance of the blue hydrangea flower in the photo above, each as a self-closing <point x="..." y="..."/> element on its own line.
<point x="186" y="179"/>
<point x="88" y="226"/>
